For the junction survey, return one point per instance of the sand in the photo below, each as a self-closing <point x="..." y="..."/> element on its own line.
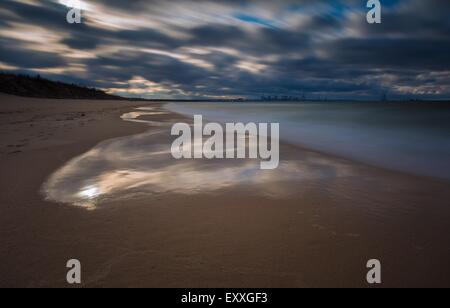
<point x="322" y="235"/>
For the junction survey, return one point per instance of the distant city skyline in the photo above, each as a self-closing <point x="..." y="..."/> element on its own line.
<point x="186" y="49"/>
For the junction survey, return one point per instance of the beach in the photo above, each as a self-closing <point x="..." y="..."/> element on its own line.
<point x="317" y="230"/>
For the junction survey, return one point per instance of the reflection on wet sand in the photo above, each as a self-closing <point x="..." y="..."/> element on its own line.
<point x="142" y="165"/>
<point x="144" y="111"/>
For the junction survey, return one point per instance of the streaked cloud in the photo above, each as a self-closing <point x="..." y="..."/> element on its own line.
<point x="232" y="48"/>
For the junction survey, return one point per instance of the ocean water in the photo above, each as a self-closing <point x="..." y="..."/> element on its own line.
<point x="411" y="138"/>
<point x="407" y="137"/>
<point x="142" y="166"/>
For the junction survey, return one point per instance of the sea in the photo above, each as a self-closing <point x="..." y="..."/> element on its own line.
<point x="412" y="137"/>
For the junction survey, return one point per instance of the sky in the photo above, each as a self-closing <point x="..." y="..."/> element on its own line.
<point x="200" y="49"/>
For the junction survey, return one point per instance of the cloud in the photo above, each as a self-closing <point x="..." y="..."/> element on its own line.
<point x="21" y="57"/>
<point x="201" y="48"/>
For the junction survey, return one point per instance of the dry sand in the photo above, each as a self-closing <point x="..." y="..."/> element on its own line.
<point x="321" y="236"/>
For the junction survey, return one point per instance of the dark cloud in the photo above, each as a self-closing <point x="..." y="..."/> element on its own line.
<point x="392" y="53"/>
<point x="237" y="48"/>
<point x="17" y="56"/>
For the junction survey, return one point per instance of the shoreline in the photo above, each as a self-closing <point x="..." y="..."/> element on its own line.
<point x="369" y="144"/>
<point x="319" y="237"/>
<point x="332" y="156"/>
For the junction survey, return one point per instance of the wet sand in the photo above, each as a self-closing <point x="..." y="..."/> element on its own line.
<point x="320" y="234"/>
